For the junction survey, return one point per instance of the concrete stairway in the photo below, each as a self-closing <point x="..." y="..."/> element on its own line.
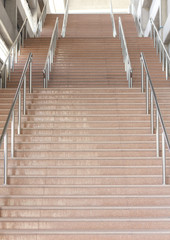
<point x="90" y="25"/>
<point x="39" y="48"/>
<point x="136" y="45"/>
<point x="94" y="62"/>
<point x="85" y="165"/>
<point x="88" y="56"/>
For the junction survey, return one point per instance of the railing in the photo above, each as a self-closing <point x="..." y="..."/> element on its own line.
<point x="41" y="20"/>
<point x="126" y="58"/>
<point x="160" y="49"/>
<point x="151" y="101"/>
<point x="63" y="32"/>
<point x="113" y="20"/>
<point x="11" y="115"/>
<point x="50" y="55"/>
<point x="12" y="58"/>
<point x="137" y="22"/>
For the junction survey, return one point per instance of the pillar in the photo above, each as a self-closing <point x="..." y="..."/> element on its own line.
<point x="11" y="9"/>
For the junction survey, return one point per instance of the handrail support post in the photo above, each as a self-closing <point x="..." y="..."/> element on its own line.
<point x="163" y="160"/>
<point x="19" y="113"/>
<point x="147" y="94"/>
<point x="142" y="75"/>
<point x="12" y="133"/>
<point x="30" y="76"/>
<point x="167" y="69"/>
<point x="152" y="113"/>
<point x="5" y="159"/>
<point x="24" y="95"/>
<point x="157" y="133"/>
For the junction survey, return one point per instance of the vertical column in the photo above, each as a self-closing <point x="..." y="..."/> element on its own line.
<point x="162" y="15"/>
<point x="11" y="9"/>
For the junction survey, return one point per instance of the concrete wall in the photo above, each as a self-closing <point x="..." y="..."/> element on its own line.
<point x="159" y="11"/>
<point x="7" y="30"/>
<point x="56" y="6"/>
<point x="168" y="6"/>
<point x="3" y="50"/>
<point x="98" y="4"/>
<point x="11" y="9"/>
<point x="89" y="4"/>
<point x="26" y="13"/>
<point x="79" y="6"/>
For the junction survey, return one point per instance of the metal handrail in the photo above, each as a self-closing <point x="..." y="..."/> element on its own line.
<point x="11" y="115"/>
<point x="50" y="55"/>
<point x="153" y="99"/>
<point x="126" y="58"/>
<point x="12" y="58"/>
<point x="113" y="20"/>
<point x="63" y="32"/>
<point x="160" y="49"/>
<point x="41" y="20"/>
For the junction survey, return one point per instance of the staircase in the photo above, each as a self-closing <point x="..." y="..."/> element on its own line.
<point x="136" y="45"/>
<point x="39" y="48"/>
<point x="85" y="165"/>
<point x="91" y="62"/>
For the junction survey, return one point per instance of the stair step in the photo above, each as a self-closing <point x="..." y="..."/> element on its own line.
<point x="82" y="235"/>
<point x="85" y="164"/>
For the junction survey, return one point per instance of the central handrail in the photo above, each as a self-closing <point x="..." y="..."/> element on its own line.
<point x="113" y="20"/>
<point x="12" y="58"/>
<point x="41" y="20"/>
<point x="153" y="99"/>
<point x="50" y="55"/>
<point x="11" y="115"/>
<point x="63" y="32"/>
<point x="160" y="48"/>
<point x="126" y="58"/>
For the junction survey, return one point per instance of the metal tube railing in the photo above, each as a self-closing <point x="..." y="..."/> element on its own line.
<point x="63" y="32"/>
<point x="11" y="115"/>
<point x="150" y="103"/>
<point x="126" y="58"/>
<point x="113" y="20"/>
<point x="41" y="20"/>
<point x="50" y="55"/>
<point x="12" y="58"/>
<point x="160" y="49"/>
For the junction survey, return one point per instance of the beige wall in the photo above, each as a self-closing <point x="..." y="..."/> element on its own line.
<point x="98" y="4"/>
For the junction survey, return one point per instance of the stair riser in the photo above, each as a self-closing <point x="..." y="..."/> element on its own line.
<point x="85" y="138"/>
<point x="85" y="190"/>
<point x="83" y="162"/>
<point x="84" y="226"/>
<point x="86" y="202"/>
<point x="58" y="125"/>
<point x="111" y="107"/>
<point x="91" y="95"/>
<point x="68" y="101"/>
<point x="82" y="113"/>
<point x="84" y="154"/>
<point x="156" y="180"/>
<point x="79" y="236"/>
<point x="84" y="172"/>
<point x="111" y="213"/>
<point x="84" y="118"/>
<point x="84" y="146"/>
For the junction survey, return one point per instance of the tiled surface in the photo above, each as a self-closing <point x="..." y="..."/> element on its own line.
<point x="85" y="160"/>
